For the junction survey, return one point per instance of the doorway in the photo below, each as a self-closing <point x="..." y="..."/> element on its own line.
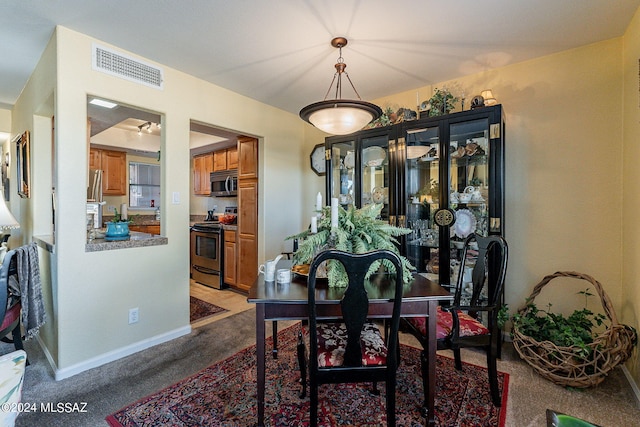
<point x="214" y="149"/>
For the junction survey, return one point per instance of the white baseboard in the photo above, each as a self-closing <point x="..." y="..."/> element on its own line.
<point x="632" y="383"/>
<point x="94" y="362"/>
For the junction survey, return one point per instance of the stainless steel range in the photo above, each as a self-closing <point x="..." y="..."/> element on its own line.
<point x="207" y="251"/>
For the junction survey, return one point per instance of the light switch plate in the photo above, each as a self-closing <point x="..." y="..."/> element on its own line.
<point x="176" y="198"/>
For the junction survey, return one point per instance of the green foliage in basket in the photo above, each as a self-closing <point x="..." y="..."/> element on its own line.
<point x="358" y="231"/>
<point x="573" y="331"/>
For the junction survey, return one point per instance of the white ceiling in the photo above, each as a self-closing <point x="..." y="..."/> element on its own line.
<point x="278" y="51"/>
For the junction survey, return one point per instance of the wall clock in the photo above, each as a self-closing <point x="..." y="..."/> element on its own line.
<point x="318" y="163"/>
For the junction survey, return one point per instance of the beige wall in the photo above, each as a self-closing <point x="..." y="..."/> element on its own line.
<point x="92" y="292"/>
<point x="630" y="310"/>
<point x="563" y="151"/>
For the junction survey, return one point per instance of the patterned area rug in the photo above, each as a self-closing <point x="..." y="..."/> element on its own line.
<point x="224" y="394"/>
<point x="199" y="309"/>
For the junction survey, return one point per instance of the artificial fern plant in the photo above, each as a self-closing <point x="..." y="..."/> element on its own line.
<point x="358" y="231"/>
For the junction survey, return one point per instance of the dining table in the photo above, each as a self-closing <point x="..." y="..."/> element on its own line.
<point x="288" y="301"/>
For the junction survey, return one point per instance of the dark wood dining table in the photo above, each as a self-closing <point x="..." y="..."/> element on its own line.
<point x="288" y="301"/>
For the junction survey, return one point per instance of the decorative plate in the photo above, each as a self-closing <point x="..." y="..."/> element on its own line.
<point x="373" y="156"/>
<point x="303" y="270"/>
<point x="465" y="223"/>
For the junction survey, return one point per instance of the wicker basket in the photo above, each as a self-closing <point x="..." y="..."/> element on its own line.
<point x="559" y="364"/>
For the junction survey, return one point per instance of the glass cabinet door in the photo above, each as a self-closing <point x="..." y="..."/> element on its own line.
<point x="468" y="184"/>
<point x="374" y="164"/>
<point x="422" y="183"/>
<point x="343" y="161"/>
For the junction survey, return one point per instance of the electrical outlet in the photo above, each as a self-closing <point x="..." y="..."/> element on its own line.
<point x="111" y="208"/>
<point x="133" y="315"/>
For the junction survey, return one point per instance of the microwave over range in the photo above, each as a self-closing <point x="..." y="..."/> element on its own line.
<point x="224" y="184"/>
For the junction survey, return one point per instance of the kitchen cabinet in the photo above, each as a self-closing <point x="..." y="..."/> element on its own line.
<point x="230" y="257"/>
<point x="226" y="159"/>
<point x="247" y="158"/>
<point x="247" y="243"/>
<point x="202" y="167"/>
<point x="149" y="229"/>
<point x="232" y="158"/>
<point x="442" y="177"/>
<point x="114" y="170"/>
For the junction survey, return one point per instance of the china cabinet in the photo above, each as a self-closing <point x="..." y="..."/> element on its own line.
<point x="442" y="177"/>
<point x="359" y="168"/>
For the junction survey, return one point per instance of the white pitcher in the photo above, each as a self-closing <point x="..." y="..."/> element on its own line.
<point x="269" y="269"/>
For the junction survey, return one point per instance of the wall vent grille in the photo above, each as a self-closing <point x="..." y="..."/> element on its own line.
<point x="117" y="64"/>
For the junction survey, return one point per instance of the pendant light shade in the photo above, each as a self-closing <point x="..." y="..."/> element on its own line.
<point x="340" y="116"/>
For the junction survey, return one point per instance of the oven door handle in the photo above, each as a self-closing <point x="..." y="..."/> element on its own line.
<point x="205" y="270"/>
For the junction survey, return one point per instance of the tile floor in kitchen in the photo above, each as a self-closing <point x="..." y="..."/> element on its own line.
<point x="234" y="302"/>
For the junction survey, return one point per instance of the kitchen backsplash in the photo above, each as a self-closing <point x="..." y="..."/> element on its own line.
<point x="199" y="205"/>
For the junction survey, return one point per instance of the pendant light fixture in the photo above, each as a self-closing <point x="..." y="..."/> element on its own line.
<point x="340" y="116"/>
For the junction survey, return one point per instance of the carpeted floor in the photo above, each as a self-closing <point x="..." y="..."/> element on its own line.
<point x="200" y="310"/>
<point x="112" y="386"/>
<point x="224" y="394"/>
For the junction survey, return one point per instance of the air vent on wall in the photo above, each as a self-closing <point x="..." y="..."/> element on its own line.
<point x="117" y="64"/>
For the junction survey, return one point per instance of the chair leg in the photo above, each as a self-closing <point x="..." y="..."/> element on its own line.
<point x="457" y="358"/>
<point x="424" y="366"/>
<point x="274" y="352"/>
<point x="374" y="389"/>
<point x="391" y="401"/>
<point x="17" y="340"/>
<point x="313" y="402"/>
<point x="493" y="377"/>
<point x="302" y="364"/>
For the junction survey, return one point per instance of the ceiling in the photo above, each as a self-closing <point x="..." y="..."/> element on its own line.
<point x="278" y="51"/>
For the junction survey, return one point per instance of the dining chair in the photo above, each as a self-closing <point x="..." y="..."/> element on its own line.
<point x="10" y="304"/>
<point x="353" y="349"/>
<point x="472" y="319"/>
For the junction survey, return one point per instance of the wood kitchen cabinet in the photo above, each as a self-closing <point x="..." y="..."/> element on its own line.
<point x="232" y="158"/>
<point x="202" y="167"/>
<point x="114" y="170"/>
<point x="226" y="159"/>
<point x="230" y="258"/>
<point x="247" y="244"/>
<point x="150" y="229"/>
<point x="247" y="158"/>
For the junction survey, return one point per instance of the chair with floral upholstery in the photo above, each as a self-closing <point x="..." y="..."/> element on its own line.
<point x="353" y="350"/>
<point x="472" y="319"/>
<point x="10" y="303"/>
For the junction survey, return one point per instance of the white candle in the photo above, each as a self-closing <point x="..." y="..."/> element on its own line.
<point x="319" y="202"/>
<point x="123" y="211"/>
<point x="334" y="212"/>
<point x="314" y="224"/>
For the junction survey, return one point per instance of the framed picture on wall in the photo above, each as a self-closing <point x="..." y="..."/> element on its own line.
<point x="22" y="164"/>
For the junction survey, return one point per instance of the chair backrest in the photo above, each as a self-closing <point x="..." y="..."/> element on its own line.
<point x="7" y="269"/>
<point x="488" y="274"/>
<point x="355" y="302"/>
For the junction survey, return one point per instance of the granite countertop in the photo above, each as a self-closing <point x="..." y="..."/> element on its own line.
<point x="136" y="219"/>
<point x="135" y="240"/>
